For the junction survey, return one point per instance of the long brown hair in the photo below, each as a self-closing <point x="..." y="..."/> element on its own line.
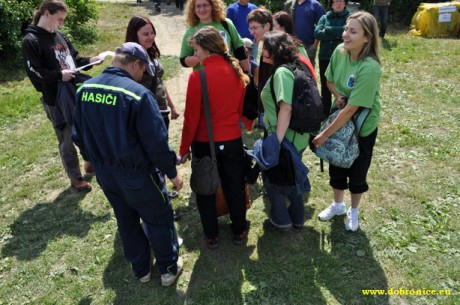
<point x="52" y="6"/>
<point x="131" y="34"/>
<point x="371" y="31"/>
<point x="210" y="40"/>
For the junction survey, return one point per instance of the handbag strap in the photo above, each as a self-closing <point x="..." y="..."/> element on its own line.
<point x="207" y="113"/>
<point x="358" y="120"/>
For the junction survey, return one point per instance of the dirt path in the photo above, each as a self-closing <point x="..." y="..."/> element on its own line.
<point x="170" y="28"/>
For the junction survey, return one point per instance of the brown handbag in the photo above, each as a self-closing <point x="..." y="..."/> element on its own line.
<point x="221" y="203"/>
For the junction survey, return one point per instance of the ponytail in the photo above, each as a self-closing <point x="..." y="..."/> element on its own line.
<point x="234" y="63"/>
<point x="52" y="6"/>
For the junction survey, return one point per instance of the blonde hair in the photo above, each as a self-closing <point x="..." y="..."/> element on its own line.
<point x="218" y="12"/>
<point x="371" y="31"/>
<point x="209" y="39"/>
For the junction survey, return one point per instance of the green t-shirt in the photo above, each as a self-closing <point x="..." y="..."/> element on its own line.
<point x="231" y="36"/>
<point x="360" y="82"/>
<point x="284" y="89"/>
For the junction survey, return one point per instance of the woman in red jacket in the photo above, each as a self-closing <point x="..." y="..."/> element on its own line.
<point x="226" y="88"/>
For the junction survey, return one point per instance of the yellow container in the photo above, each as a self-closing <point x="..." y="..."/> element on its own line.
<point x="436" y="20"/>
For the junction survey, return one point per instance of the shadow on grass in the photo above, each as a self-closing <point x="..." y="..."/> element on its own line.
<point x="312" y="267"/>
<point x="48" y="221"/>
<point x="118" y="276"/>
<point x="350" y="266"/>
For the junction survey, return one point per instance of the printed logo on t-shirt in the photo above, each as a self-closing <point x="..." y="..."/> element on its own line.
<point x="63" y="56"/>
<point x="351" y="81"/>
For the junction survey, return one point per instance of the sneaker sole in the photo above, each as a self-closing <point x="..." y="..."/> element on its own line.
<point x="146" y="278"/>
<point x="350" y="229"/>
<point x="179" y="271"/>
<point x="329" y="218"/>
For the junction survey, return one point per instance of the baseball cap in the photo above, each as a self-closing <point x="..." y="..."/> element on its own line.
<point x="248" y="43"/>
<point x="136" y="50"/>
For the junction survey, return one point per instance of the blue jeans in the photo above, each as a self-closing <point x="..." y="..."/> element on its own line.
<point x="281" y="214"/>
<point x="381" y="15"/>
<point x="143" y="197"/>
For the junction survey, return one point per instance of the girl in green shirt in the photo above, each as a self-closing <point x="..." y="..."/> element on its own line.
<point x="353" y="77"/>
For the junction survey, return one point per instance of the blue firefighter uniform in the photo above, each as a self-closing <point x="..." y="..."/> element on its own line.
<point x="119" y="128"/>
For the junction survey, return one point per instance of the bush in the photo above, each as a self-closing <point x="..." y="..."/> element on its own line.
<point x="80" y="12"/>
<point x="15" y="15"/>
<point x="13" y="20"/>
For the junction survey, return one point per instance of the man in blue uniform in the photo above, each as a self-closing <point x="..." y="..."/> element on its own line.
<point x="119" y="128"/>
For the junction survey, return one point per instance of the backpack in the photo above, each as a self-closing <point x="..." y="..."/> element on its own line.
<point x="307" y="105"/>
<point x="342" y="148"/>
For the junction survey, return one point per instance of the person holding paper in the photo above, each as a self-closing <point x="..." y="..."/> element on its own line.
<point x="50" y="58"/>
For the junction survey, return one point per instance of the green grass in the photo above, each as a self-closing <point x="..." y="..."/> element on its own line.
<point x="59" y="247"/>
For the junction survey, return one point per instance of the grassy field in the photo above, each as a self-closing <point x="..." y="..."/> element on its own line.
<point x="60" y="247"/>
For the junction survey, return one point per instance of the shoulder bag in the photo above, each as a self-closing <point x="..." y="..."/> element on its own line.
<point x="205" y="177"/>
<point x="342" y="149"/>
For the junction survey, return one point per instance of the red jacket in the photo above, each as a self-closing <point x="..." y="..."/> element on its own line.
<point x="226" y="97"/>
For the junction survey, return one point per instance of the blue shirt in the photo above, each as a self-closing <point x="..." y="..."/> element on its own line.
<point x="306" y="17"/>
<point x="238" y="13"/>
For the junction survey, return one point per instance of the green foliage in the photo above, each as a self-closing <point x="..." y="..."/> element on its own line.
<point x="80" y="12"/>
<point x="15" y="15"/>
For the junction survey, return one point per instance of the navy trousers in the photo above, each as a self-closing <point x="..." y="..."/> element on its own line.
<point x="143" y="198"/>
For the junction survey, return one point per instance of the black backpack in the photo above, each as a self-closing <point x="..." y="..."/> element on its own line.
<point x="307" y="105"/>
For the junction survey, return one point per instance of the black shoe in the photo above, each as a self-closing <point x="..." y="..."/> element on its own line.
<point x="158" y="9"/>
<point x="173" y="194"/>
<point x="269" y="225"/>
<point x="239" y="239"/>
<point x="213" y="243"/>
<point x="298" y="227"/>
<point x="177" y="216"/>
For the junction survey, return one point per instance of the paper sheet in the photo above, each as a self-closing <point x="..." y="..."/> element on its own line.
<point x="102" y="56"/>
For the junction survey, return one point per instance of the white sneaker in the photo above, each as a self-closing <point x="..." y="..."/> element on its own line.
<point x="331" y="211"/>
<point x="167" y="279"/>
<point x="146" y="278"/>
<point x="352" y="221"/>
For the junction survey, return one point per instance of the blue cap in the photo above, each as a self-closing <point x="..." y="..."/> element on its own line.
<point x="136" y="50"/>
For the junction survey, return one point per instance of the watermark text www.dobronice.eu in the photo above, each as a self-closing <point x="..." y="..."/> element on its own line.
<point x="407" y="292"/>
